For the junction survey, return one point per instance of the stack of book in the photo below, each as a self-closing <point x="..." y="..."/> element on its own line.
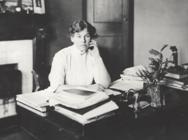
<point x="36" y="102"/>
<point x="81" y="105"/>
<point x="178" y="72"/>
<point x="84" y="106"/>
<point x="89" y="114"/>
<point x="177" y="75"/>
<point x="175" y="81"/>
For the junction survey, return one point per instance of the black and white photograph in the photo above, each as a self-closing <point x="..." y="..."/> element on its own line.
<point x="93" y="70"/>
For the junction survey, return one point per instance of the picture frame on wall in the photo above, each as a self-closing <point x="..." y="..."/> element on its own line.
<point x="39" y="6"/>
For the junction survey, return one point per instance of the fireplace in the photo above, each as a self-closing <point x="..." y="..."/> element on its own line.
<point x="16" y="65"/>
<point x="10" y="86"/>
<point x="19" y="53"/>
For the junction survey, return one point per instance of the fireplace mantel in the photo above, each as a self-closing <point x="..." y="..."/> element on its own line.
<point x="19" y="52"/>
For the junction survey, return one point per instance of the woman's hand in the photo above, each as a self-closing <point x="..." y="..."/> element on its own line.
<point x="93" y="49"/>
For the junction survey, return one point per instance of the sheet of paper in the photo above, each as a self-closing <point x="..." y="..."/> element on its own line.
<point x="125" y="85"/>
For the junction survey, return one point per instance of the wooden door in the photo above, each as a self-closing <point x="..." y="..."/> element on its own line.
<point x="112" y="21"/>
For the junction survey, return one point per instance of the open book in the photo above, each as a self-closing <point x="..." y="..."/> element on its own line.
<point x="77" y="99"/>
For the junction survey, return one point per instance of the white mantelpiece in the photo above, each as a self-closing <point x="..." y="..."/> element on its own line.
<point x="19" y="52"/>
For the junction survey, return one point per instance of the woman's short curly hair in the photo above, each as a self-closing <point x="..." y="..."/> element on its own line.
<point x="80" y="25"/>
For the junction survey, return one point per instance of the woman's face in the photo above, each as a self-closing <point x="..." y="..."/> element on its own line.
<point x="81" y="40"/>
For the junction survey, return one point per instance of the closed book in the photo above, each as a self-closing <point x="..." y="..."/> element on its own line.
<point x="170" y="81"/>
<point x="33" y="109"/>
<point x="37" y="100"/>
<point x="86" y="109"/>
<point x="89" y="115"/>
<point x="176" y="75"/>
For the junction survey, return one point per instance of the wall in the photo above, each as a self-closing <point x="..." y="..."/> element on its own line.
<point x="20" y="53"/>
<point x="60" y="14"/>
<point x="157" y="23"/>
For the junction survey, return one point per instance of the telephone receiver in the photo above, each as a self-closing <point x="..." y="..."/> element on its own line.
<point x="90" y="47"/>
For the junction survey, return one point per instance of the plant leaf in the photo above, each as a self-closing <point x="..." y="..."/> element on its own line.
<point x="166" y="45"/>
<point x="154" y="52"/>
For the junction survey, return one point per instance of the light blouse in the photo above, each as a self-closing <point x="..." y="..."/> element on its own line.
<point x="70" y="66"/>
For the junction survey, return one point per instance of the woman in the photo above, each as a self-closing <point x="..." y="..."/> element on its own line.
<point x="79" y="64"/>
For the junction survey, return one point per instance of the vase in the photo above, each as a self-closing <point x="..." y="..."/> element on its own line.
<point x="154" y="92"/>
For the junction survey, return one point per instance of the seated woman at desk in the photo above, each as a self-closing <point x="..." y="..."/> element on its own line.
<point x="79" y="64"/>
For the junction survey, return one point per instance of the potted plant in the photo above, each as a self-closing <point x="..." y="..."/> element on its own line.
<point x="155" y="71"/>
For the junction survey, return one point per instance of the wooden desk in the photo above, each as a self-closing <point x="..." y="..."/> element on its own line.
<point x="123" y="126"/>
<point x="58" y="127"/>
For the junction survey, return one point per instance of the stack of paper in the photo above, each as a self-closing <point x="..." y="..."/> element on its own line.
<point x="132" y="71"/>
<point x="129" y="79"/>
<point x="125" y="85"/>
